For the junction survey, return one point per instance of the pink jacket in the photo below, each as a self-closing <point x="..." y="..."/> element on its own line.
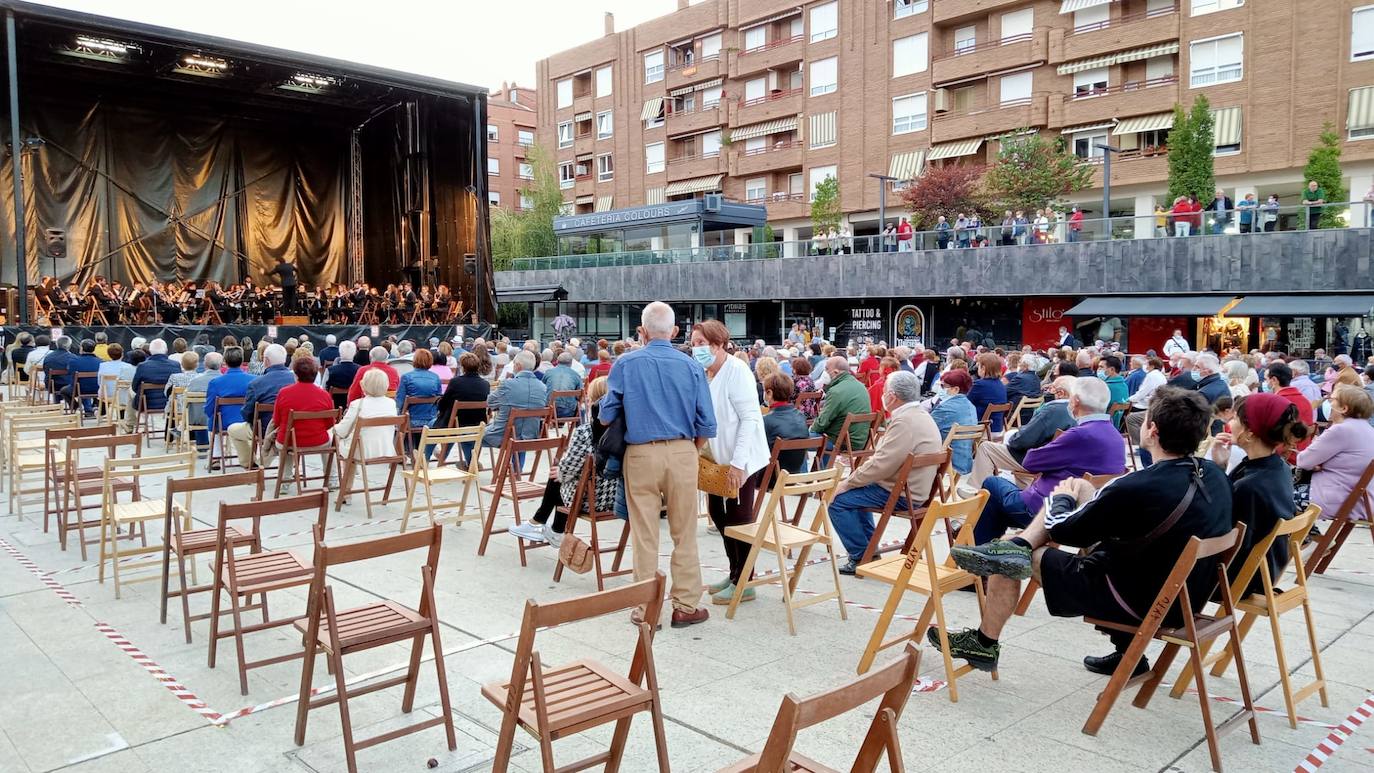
<point x="1343" y="452"/>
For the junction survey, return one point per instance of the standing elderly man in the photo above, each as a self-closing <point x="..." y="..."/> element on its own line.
<point x="910" y="430"/>
<point x="843" y="395"/>
<point x="261" y="391"/>
<point x="662" y="396"/>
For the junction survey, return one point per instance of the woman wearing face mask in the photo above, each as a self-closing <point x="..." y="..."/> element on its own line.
<point x="954" y="408"/>
<point x="563" y="480"/>
<point x="739" y="443"/>
<point x="1262" y="483"/>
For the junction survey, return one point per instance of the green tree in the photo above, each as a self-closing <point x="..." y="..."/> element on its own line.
<point x="529" y="232"/>
<point x="1032" y="170"/>
<point x="1324" y="166"/>
<point x="825" y="207"/>
<point x="1192" y="149"/>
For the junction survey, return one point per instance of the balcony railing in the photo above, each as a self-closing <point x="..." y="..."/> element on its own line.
<point x="1122" y="88"/>
<point x="787" y="145"/>
<point x="983" y="110"/>
<point x="772" y="44"/>
<point x="670" y="111"/>
<point x="775" y="197"/>
<point x="1134" y="17"/>
<point x="693" y="157"/>
<point x="771" y="97"/>
<point x="985" y="45"/>
<point x="692" y="62"/>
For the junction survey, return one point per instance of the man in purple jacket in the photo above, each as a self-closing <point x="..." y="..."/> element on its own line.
<point x="1093" y="446"/>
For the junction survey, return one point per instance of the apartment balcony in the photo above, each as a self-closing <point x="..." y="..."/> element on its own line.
<point x="695" y="165"/>
<point x="952" y="10"/>
<point x="1131" y="167"/>
<point x="582" y="103"/>
<point x="584" y="184"/>
<point x="698" y="69"/>
<point x="991" y="56"/>
<point x="780" y="155"/>
<point x="776" y="104"/>
<point x="784" y="206"/>
<point x="772" y="54"/>
<point x="982" y="122"/>
<point x="1127" y="32"/>
<point x="680" y="122"/>
<point x="584" y="143"/>
<point x="1127" y="99"/>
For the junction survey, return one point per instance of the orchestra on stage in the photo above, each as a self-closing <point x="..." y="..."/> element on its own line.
<point x="209" y="303"/>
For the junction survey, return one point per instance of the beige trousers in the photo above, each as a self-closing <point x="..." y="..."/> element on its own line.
<point x="658" y="473"/>
<point x="990" y="458"/>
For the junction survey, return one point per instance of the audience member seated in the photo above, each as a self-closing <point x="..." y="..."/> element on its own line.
<point x="1109" y="370"/>
<point x="1338" y="457"/>
<point x="1302" y="380"/>
<point x="377" y="357"/>
<point x="261" y="390"/>
<point x="1092" y="446"/>
<point x="844" y="395"/>
<point x="783" y="421"/>
<point x="952" y="407"/>
<point x="154" y="371"/>
<point x="1021" y="382"/>
<point x="1278" y="378"/>
<point x="419" y="382"/>
<point x="1209" y="380"/>
<point x="85" y="362"/>
<point x="1053" y="417"/>
<point x="562" y="378"/>
<point x="875" y="391"/>
<point x="989" y="389"/>
<point x="802" y="381"/>
<point x="467" y="387"/>
<point x="1122" y="572"/>
<point x="910" y="430"/>
<point x="377" y="441"/>
<point x="60" y="358"/>
<point x="301" y="397"/>
<point x="340" y="375"/>
<point x="521" y="391"/>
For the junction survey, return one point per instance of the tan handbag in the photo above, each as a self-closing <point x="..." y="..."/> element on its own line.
<point x="575" y="554"/>
<point x="715" y="479"/>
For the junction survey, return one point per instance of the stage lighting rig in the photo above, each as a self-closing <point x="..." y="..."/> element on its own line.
<point x="100" y="49"/>
<point x="310" y="83"/>
<point x="202" y="65"/>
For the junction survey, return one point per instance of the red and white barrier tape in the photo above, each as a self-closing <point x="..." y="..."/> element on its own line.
<point x="53" y="585"/>
<point x="1333" y="741"/>
<point x="173" y="686"/>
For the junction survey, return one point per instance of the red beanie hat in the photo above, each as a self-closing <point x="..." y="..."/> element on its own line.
<point x="1263" y="411"/>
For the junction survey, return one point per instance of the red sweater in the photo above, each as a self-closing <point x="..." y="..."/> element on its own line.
<point x="303" y="397"/>
<point x="599" y="370"/>
<point x="393" y="379"/>
<point x="1305" y="415"/>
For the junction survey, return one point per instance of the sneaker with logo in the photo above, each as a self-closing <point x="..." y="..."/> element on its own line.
<point x="531" y="531"/>
<point x="1000" y="556"/>
<point x="550" y="536"/>
<point x="965" y="645"/>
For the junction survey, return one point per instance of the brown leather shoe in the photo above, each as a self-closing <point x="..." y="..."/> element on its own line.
<point x="682" y="619"/>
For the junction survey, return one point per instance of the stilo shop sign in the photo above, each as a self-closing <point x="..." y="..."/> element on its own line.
<point x="1041" y="319"/>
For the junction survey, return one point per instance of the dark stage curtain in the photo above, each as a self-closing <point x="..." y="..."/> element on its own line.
<point x="146" y="195"/>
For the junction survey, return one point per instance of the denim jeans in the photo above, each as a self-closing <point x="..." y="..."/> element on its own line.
<point x="853" y="523"/>
<point x="1003" y="510"/>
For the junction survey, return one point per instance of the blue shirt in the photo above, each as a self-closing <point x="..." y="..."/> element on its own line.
<point x="562" y="378"/>
<point x="86" y="363"/>
<point x="420" y="382"/>
<point x="264" y="389"/>
<point x="662" y="393"/>
<point x="233" y="383"/>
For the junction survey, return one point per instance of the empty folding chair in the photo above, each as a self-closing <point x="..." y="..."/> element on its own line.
<point x="426" y="474"/>
<point x="137" y="512"/>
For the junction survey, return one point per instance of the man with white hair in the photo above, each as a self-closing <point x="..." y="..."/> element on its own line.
<point x="341" y="374"/>
<point x="521" y="391"/>
<point x="562" y="378"/>
<point x="661" y="395"/>
<point x="330" y="353"/>
<point x="364" y="348"/>
<point x="1209" y="380"/>
<point x="1092" y="446"/>
<point x="195" y="411"/>
<point x="1187" y="378"/>
<point x="377" y="360"/>
<point x="404" y="361"/>
<point x="152" y="372"/>
<point x="910" y="430"/>
<point x="1302" y="380"/>
<point x="261" y="391"/>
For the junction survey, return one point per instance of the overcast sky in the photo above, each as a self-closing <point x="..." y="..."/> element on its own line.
<point x="477" y="42"/>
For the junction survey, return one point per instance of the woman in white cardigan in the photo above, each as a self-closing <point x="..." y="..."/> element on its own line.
<point x="377" y="441"/>
<point x="739" y="442"/>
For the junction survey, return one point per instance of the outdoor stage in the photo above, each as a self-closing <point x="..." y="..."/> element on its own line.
<point x="213" y="334"/>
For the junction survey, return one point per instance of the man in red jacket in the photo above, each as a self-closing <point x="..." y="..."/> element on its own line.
<point x="378" y="357"/>
<point x="304" y="397"/>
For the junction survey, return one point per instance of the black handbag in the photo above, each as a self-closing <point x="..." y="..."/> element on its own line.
<point x="612" y="444"/>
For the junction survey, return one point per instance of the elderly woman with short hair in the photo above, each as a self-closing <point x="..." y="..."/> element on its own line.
<point x="420" y="382"/>
<point x="377" y="441"/>
<point x="953" y="408"/>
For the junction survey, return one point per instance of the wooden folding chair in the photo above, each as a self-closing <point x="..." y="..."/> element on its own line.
<point x="986" y="422"/>
<point x="111" y="408"/>
<point x="354" y="461"/>
<point x="128" y="474"/>
<point x="583" y="507"/>
<point x="144" y="427"/>
<point x="1033" y="585"/>
<point x="173" y="419"/>
<point x="770" y="532"/>
<point x="262" y="420"/>
<point x="427" y="474"/>
<point x="79" y="396"/>
<point x="1271" y="602"/>
<point x="77" y="485"/>
<point x="186" y="440"/>
<point x="239" y="578"/>
<point x="8" y="413"/>
<point x="554" y="702"/>
<point x="28" y="451"/>
<point x="1018" y="416"/>
<point x="507" y="483"/>
<point x="328" y="452"/>
<point x="914" y="510"/>
<point x="58" y="460"/>
<point x="844" y="443"/>
<point x="411" y="402"/>
<point x="1343" y="522"/>
<point x="803" y="398"/>
<point x="50" y="389"/>
<point x="1195" y="631"/>
<point x="565" y="424"/>
<point x="815" y="445"/>
<point x="973" y="433"/>
<point x="220" y="432"/>
<point x="893" y="683"/>
<point x="917" y="570"/>
<point x="339" y="632"/>
<point x="185" y="543"/>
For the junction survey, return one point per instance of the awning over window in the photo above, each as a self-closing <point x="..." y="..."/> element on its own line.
<point x="535" y="294"/>
<point x="652" y="109"/>
<point x="586" y="198"/>
<point x="1226" y="126"/>
<point x="1303" y="306"/>
<point x="1120" y="57"/>
<point x="696" y="87"/>
<point x="654" y="195"/>
<point x="955" y="149"/>
<point x="764" y="129"/>
<point x="1069" y="6"/>
<point x="1088" y="127"/>
<point x="710" y="182"/>
<point x="1152" y="306"/>
<point x="1145" y="123"/>
<point x="603" y="203"/>
<point x="768" y="19"/>
<point x="1360" y="114"/>
<point x="587" y="116"/>
<point x="823" y="131"/>
<point x="906" y="166"/>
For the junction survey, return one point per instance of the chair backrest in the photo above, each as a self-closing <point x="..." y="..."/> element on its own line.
<point x="316" y="501"/>
<point x="331" y="415"/>
<point x="781" y="446"/>
<point x="221" y="402"/>
<point x="148" y="389"/>
<point x="520" y="416"/>
<point x="802" y="397"/>
<point x="966" y="510"/>
<point x="1357" y="492"/>
<point x="262" y="416"/>
<point x="892" y="682"/>
<point x="1099" y="481"/>
<point x="993" y="409"/>
<point x="844" y="442"/>
<point x="413" y="401"/>
<point x="1175" y="589"/>
<point x="188" y="486"/>
<point x="86" y="375"/>
<point x="398" y="424"/>
<point x="958" y="432"/>
<point x="445" y="438"/>
<point x="1255" y="561"/>
<point x="1118" y="409"/>
<point x="172" y="466"/>
<point x="110" y="441"/>
<point x="335" y="555"/>
<point x="468" y="405"/>
<point x="940" y="460"/>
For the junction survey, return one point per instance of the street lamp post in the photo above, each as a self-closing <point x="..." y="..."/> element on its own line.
<point x="1107" y="151"/>
<point x="883" y="181"/>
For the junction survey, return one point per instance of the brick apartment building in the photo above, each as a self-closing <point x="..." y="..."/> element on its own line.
<point x="761" y="99"/>
<point x="511" y="127"/>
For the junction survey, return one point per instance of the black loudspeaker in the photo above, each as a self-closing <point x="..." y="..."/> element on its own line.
<point x="470" y="263"/>
<point x="55" y="243"/>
